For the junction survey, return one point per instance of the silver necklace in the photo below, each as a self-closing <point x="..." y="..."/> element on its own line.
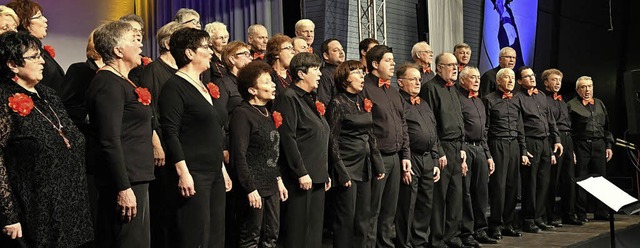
<point x="259" y="111"/>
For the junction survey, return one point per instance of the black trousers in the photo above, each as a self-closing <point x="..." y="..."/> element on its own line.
<point x="447" y="197"/>
<point x="475" y="194"/>
<point x="259" y="227"/>
<point x="535" y="179"/>
<point x="503" y="183"/>
<point x="162" y="196"/>
<point x="111" y="232"/>
<point x="384" y="201"/>
<point x="563" y="182"/>
<point x="303" y="216"/>
<point x="415" y="204"/>
<point x="201" y="218"/>
<point x="590" y="160"/>
<point x="352" y="207"/>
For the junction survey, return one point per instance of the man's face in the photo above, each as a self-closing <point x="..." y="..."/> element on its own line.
<point x="335" y="53"/>
<point x="585" y="89"/>
<point x="448" y="68"/>
<point x="508" y="60"/>
<point x="507" y="81"/>
<point x="385" y="67"/>
<point x="306" y="32"/>
<point x="258" y="40"/>
<point x="553" y="83"/>
<point x="425" y="54"/>
<point x="528" y="79"/>
<point x="463" y="55"/>
<point x="471" y="81"/>
<point x="299" y="46"/>
<point x="410" y="82"/>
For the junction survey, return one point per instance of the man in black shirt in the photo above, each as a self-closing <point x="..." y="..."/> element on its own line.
<point x="390" y="130"/>
<point x="462" y="51"/>
<point x="488" y="80"/>
<point x="444" y="100"/>
<point x="540" y="129"/>
<point x="476" y="184"/>
<point x="333" y="55"/>
<point x="257" y="39"/>
<point x="415" y="199"/>
<point x="363" y="47"/>
<point x="507" y="145"/>
<point x="423" y="55"/>
<point x="562" y="174"/>
<point x="592" y="141"/>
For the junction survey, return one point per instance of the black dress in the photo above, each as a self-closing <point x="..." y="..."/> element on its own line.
<point x="42" y="182"/>
<point x="53" y="74"/>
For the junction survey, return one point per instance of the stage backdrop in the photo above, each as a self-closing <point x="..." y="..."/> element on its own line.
<point x="508" y="23"/>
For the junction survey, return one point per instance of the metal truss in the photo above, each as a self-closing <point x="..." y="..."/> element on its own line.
<point x="372" y="21"/>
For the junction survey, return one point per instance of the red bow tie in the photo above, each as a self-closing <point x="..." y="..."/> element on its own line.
<point x="415" y="100"/>
<point x="473" y="94"/>
<point x="461" y="66"/>
<point x="532" y="91"/>
<point x="426" y="69"/>
<point x="449" y="84"/>
<point x="258" y="55"/>
<point x="385" y="83"/>
<point x="507" y="95"/>
<point x="557" y="97"/>
<point x="590" y="101"/>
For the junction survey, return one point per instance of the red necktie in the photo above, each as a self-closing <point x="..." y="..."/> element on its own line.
<point x="415" y="100"/>
<point x="590" y="101"/>
<point x="507" y="95"/>
<point x="449" y="84"/>
<point x="258" y="55"/>
<point x="385" y="83"/>
<point x="426" y="69"/>
<point x="532" y="91"/>
<point x="557" y="97"/>
<point x="473" y="94"/>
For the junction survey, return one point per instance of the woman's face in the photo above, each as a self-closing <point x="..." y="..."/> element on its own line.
<point x="311" y="78"/>
<point x="355" y="81"/>
<point x="130" y="49"/>
<point x="220" y="39"/>
<point x="201" y="56"/>
<point x="265" y="89"/>
<point x="38" y="25"/>
<point x="7" y="23"/>
<point x="241" y="58"/>
<point x="31" y="71"/>
<point x="286" y="53"/>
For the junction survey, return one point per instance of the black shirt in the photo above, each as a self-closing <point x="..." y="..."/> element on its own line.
<point x="216" y="70"/>
<point x="352" y="143"/>
<point x="421" y="127"/>
<point x="52" y="74"/>
<point x="591" y="121"/>
<point x="229" y="96"/>
<point x="475" y="120"/>
<point x="389" y="121"/>
<point x="121" y="127"/>
<point x="445" y="103"/>
<point x="282" y="84"/>
<point x="153" y="77"/>
<point x="254" y="142"/>
<point x="304" y="136"/>
<point x="560" y="112"/>
<point x="536" y="116"/>
<point x="74" y="88"/>
<point x="504" y="118"/>
<point x="426" y="77"/>
<point x="326" y="86"/>
<point x="191" y="127"/>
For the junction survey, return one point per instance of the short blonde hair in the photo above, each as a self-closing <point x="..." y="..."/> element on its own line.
<point x="164" y="35"/>
<point x="6" y="11"/>
<point x="214" y="28"/>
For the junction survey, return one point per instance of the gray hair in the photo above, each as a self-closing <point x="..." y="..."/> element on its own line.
<point x="416" y="48"/>
<point x="304" y="22"/>
<point x="184" y="12"/>
<point x="503" y="71"/>
<point x="214" y="28"/>
<point x="164" y="34"/>
<point x="504" y="50"/>
<point x="108" y="37"/>
<point x="467" y="70"/>
<point x="251" y="31"/>
<point x="583" y="78"/>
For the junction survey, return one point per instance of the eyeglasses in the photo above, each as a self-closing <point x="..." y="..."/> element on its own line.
<point x="288" y="48"/>
<point x="426" y="51"/>
<point x="192" y="21"/>
<point x="205" y="46"/>
<point x="452" y="65"/>
<point x="357" y="72"/>
<point x="530" y="76"/>
<point x="415" y="79"/>
<point x="221" y="37"/>
<point x="35" y="57"/>
<point x="37" y="16"/>
<point x="139" y="31"/>
<point x="245" y="53"/>
<point x="508" y="57"/>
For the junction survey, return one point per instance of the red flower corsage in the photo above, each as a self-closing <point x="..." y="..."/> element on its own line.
<point x="146" y="61"/>
<point x="277" y="118"/>
<point x="21" y="104"/>
<point x="368" y="104"/>
<point x="144" y="96"/>
<point x="214" y="90"/>
<point x="50" y="50"/>
<point x="320" y="107"/>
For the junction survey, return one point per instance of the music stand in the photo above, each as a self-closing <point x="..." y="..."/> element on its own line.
<point x="616" y="199"/>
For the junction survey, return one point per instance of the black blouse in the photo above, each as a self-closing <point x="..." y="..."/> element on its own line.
<point x="255" y="149"/>
<point x="354" y="149"/>
<point x="53" y="74"/>
<point x="304" y="136"/>
<point x="153" y="77"/>
<point x="282" y="84"/>
<point x="191" y="127"/>
<point x="74" y="88"/>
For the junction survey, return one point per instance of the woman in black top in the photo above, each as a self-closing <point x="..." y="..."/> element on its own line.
<point x="43" y="190"/>
<point x="254" y="146"/>
<point x="355" y="156"/>
<point x="305" y="152"/>
<point x="33" y="21"/>
<point x="278" y="54"/>
<point x="120" y="123"/>
<point x="192" y="132"/>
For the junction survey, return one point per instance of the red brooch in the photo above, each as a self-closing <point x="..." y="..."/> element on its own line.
<point x="50" y="50"/>
<point x="146" y="61"/>
<point x="144" y="96"/>
<point x="214" y="90"/>
<point x="21" y="104"/>
<point x="320" y="107"/>
<point x="368" y="104"/>
<point x="277" y="118"/>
